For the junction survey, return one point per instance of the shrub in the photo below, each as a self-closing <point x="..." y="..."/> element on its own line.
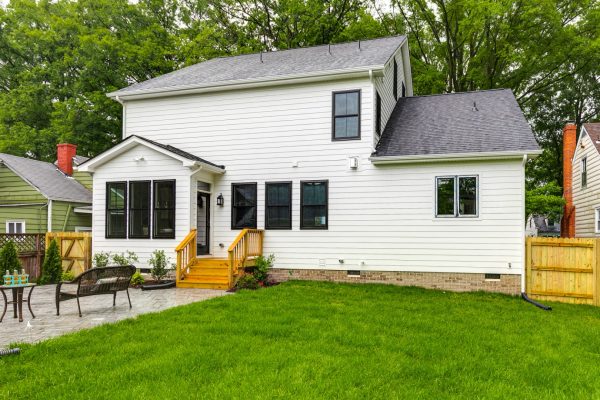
<point x="52" y="268"/>
<point x="159" y="262"/>
<point x="137" y="279"/>
<point x="9" y="258"/>
<point x="123" y="259"/>
<point x="261" y="268"/>
<point x="247" y="281"/>
<point x="67" y="276"/>
<point x="101" y="259"/>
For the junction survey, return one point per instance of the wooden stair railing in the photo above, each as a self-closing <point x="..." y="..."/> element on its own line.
<point x="186" y="254"/>
<point x="249" y="243"/>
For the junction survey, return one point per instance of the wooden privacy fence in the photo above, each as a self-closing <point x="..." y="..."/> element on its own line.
<point x="30" y="247"/>
<point x="560" y="269"/>
<point x="75" y="250"/>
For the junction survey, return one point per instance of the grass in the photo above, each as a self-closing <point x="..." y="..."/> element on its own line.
<point x="321" y="340"/>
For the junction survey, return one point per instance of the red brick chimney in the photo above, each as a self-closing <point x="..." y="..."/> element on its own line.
<point x="567" y="226"/>
<point x="64" y="157"/>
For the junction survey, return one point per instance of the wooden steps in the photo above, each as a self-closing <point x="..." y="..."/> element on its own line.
<point x="207" y="273"/>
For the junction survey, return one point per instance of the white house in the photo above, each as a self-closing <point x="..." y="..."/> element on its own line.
<point x="326" y="149"/>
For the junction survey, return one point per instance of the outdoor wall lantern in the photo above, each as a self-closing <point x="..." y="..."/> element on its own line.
<point x="220" y="200"/>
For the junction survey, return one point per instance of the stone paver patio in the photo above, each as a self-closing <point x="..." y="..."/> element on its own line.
<point x="96" y="310"/>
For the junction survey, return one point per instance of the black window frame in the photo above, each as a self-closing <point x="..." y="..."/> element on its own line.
<point x="233" y="185"/>
<point x="289" y="205"/>
<point x="333" y="116"/>
<point x="395" y="80"/>
<point x="584" y="172"/>
<point x="324" y="227"/>
<point x="107" y="210"/>
<point x="456" y="196"/>
<point x="377" y="113"/>
<point x="129" y="209"/>
<point x="155" y="234"/>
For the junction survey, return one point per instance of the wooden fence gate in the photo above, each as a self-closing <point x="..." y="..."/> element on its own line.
<point x="75" y="250"/>
<point x="560" y="269"/>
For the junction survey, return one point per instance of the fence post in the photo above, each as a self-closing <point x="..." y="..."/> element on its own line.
<point x="528" y="257"/>
<point x="596" y="272"/>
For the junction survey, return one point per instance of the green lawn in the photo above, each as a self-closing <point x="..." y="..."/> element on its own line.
<point x="322" y="340"/>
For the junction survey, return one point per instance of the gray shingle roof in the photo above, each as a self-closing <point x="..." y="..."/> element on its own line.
<point x="178" y="151"/>
<point x="306" y="60"/>
<point x="448" y="123"/>
<point x="48" y="179"/>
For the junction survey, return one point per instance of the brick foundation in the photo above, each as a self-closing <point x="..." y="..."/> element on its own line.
<point x="457" y="282"/>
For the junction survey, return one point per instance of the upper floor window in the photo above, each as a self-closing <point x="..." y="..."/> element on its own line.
<point x="15" y="226"/>
<point x="164" y="210"/>
<point x="377" y="113"/>
<point x="346" y="115"/>
<point x="243" y="206"/>
<point x="396" y="80"/>
<point x="314" y="205"/>
<point x="278" y="205"/>
<point x="456" y="196"/>
<point x="584" y="172"/>
<point x="116" y="215"/>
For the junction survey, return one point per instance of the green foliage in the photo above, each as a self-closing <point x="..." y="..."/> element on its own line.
<point x="247" y="281"/>
<point x="124" y="259"/>
<point x="101" y="259"/>
<point x="159" y="262"/>
<point x="52" y="268"/>
<point x="9" y="258"/>
<point x="137" y="279"/>
<point x="546" y="200"/>
<point x="67" y="276"/>
<point x="261" y="268"/>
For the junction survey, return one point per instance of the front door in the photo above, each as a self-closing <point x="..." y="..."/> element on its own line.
<point x="203" y="223"/>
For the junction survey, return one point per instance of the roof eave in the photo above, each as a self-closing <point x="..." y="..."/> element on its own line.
<point x="122" y="95"/>
<point x="422" y="158"/>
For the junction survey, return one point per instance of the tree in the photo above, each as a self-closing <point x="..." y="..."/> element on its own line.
<point x="9" y="258"/>
<point x="546" y="200"/>
<point x="52" y="267"/>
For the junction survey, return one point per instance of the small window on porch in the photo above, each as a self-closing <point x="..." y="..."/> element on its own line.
<point x="116" y="215"/>
<point x="139" y="209"/>
<point x="164" y="210"/>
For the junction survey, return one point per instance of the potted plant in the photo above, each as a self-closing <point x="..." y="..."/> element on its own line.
<point x="160" y="263"/>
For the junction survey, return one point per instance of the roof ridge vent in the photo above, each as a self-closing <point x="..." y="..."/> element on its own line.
<point x="475" y="106"/>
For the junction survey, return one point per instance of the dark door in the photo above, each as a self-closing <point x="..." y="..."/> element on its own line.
<point x="203" y="223"/>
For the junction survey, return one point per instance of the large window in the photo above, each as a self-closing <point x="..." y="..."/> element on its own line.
<point x="313" y="205"/>
<point x="456" y="196"/>
<point x="116" y="213"/>
<point x="15" y="226"/>
<point x="346" y="115"/>
<point x="584" y="172"/>
<point x="395" y="79"/>
<point x="243" y="205"/>
<point x="139" y="209"/>
<point x="164" y="209"/>
<point x="377" y="113"/>
<point x="278" y="205"/>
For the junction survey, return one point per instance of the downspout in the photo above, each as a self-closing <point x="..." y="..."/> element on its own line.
<point x="64" y="227"/>
<point x="523" y="222"/>
<point x="49" y="227"/>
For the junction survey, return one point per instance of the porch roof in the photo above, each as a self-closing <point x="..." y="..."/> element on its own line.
<point x="187" y="159"/>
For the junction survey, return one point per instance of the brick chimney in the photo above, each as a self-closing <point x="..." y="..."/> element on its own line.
<point x="567" y="226"/>
<point x="64" y="157"/>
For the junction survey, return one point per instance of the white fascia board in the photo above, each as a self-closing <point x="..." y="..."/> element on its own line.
<point x="247" y="83"/>
<point x="422" y="158"/>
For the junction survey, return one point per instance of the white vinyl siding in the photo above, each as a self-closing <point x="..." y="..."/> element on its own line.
<point x="385" y="87"/>
<point x="586" y="199"/>
<point x="382" y="216"/>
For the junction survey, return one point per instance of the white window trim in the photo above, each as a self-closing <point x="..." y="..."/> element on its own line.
<point x="596" y="217"/>
<point x="457" y="213"/>
<point x="16" y="222"/>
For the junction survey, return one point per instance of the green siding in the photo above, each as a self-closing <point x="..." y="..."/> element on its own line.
<point x="16" y="190"/>
<point x="61" y="209"/>
<point x="35" y="217"/>
<point x="85" y="178"/>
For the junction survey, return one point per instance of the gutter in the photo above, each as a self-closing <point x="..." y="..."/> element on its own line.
<point x="246" y="83"/>
<point x="422" y="158"/>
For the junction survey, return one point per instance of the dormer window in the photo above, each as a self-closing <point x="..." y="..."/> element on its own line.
<point x="346" y="115"/>
<point x="584" y="172"/>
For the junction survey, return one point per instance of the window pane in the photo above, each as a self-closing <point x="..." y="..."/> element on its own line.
<point x="244" y="195"/>
<point x="116" y="223"/>
<point x="314" y="193"/>
<point x="340" y="104"/>
<point x="352" y="103"/>
<point x="445" y="196"/>
<point x="467" y="191"/>
<point x="18" y="227"/>
<point x="116" y="195"/>
<point x="351" y="126"/>
<point x="278" y="217"/>
<point x="164" y="221"/>
<point x="139" y="194"/>
<point x="164" y="194"/>
<point x="314" y="216"/>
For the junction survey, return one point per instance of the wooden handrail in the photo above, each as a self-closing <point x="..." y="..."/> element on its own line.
<point x="249" y="243"/>
<point x="186" y="254"/>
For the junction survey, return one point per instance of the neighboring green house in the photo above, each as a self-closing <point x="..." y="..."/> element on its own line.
<point x="37" y="196"/>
